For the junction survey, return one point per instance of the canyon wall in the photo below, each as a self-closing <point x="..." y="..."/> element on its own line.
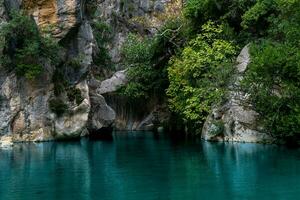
<point x="24" y="112"/>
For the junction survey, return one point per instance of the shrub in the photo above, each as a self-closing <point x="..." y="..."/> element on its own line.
<point x="25" y="49"/>
<point x="146" y="60"/>
<point x="137" y="50"/>
<point x="230" y="11"/>
<point x="74" y="94"/>
<point x="103" y="35"/>
<point x="75" y="62"/>
<point x="59" y="82"/>
<point x="58" y="107"/>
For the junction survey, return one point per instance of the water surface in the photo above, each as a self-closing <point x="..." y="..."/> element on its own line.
<point x="144" y="166"/>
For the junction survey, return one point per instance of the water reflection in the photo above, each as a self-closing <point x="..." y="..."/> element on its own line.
<point x="250" y="171"/>
<point x="144" y="166"/>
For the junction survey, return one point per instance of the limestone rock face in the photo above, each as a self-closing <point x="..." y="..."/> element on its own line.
<point x="143" y="16"/>
<point x="74" y="123"/>
<point x="24" y="108"/>
<point x="58" y="15"/>
<point x="101" y="115"/>
<point x="25" y="114"/>
<point x="113" y="83"/>
<point x="235" y="120"/>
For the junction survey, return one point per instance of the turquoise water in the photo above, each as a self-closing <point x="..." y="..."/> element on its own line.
<point x="143" y="166"/>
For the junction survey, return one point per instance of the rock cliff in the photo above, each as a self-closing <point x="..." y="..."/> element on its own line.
<point x="25" y="105"/>
<point x="236" y="120"/>
<point x="58" y="15"/>
<point x="25" y="111"/>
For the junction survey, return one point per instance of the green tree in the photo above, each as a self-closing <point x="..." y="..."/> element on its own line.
<point x="199" y="75"/>
<point x="274" y="73"/>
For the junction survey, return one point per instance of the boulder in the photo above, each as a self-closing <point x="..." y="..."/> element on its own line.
<point x="236" y="120"/>
<point x="112" y="84"/>
<point x="73" y="124"/>
<point x="101" y="115"/>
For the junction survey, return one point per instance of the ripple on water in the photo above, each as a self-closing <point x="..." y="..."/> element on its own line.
<point x="144" y="166"/>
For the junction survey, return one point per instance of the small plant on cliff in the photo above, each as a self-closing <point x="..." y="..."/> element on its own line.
<point x="1" y="100"/>
<point x="103" y="35"/>
<point x="58" y="107"/>
<point x="25" y="50"/>
<point x="74" y="94"/>
<point x="75" y="62"/>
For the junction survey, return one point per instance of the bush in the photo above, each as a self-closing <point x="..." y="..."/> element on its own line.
<point x="25" y="49"/>
<point x="273" y="82"/>
<point x="144" y="78"/>
<point x="103" y="35"/>
<point x="58" y="107"/>
<point x="137" y="50"/>
<point x="146" y="60"/>
<point x="75" y="63"/>
<point x="59" y="82"/>
<point x="230" y="11"/>
<point x="74" y="94"/>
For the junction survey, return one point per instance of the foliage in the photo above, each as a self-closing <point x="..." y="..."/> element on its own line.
<point x="137" y="50"/>
<point x="200" y="74"/>
<point x="146" y="60"/>
<point x="218" y="128"/>
<point x="145" y="79"/>
<point x="2" y="98"/>
<point x="103" y="35"/>
<point x="75" y="62"/>
<point x="273" y="82"/>
<point x="274" y="73"/>
<point x="74" y="94"/>
<point x="230" y="11"/>
<point x="59" y="82"/>
<point x="25" y="49"/>
<point x="58" y="106"/>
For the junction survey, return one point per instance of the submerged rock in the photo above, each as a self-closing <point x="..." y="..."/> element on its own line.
<point x="236" y="120"/>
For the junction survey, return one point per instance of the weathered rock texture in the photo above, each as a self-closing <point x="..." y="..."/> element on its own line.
<point x="25" y="114"/>
<point x="236" y="120"/>
<point x="143" y="16"/>
<point x="58" y="15"/>
<point x="120" y="112"/>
